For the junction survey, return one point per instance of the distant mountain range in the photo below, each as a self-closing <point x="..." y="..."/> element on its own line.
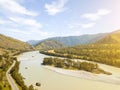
<point x="66" y="41"/>
<point x="78" y="40"/>
<point x="11" y="43"/>
<point x="72" y="40"/>
<point x="49" y="44"/>
<point x="34" y="42"/>
<point x="60" y="42"/>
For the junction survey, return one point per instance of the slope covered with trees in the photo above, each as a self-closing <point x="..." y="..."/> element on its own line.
<point x="9" y="47"/>
<point x="6" y="59"/>
<point x="48" y="45"/>
<point x="112" y="38"/>
<point x="106" y="50"/>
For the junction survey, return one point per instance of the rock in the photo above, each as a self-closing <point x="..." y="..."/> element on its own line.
<point x="24" y="78"/>
<point x="26" y="68"/>
<point x="38" y="84"/>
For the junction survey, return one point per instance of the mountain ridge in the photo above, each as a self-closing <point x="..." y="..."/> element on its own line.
<point x="49" y="44"/>
<point x="11" y="43"/>
<point x="72" y="40"/>
<point x="111" y="38"/>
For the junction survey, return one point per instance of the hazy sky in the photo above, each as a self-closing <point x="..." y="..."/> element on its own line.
<point x="39" y="19"/>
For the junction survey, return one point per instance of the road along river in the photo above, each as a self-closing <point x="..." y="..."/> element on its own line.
<point x="52" y="79"/>
<point x="10" y="79"/>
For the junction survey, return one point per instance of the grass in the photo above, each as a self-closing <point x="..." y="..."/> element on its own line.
<point x="4" y="83"/>
<point x="1" y="70"/>
<point x="4" y="88"/>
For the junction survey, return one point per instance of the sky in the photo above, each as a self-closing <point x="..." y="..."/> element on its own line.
<point x="39" y="19"/>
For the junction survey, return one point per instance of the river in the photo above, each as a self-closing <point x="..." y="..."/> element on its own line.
<point x="32" y="70"/>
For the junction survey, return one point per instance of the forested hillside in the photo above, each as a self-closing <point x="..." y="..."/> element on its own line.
<point x="9" y="47"/>
<point x="6" y="59"/>
<point x="48" y="45"/>
<point x="106" y="51"/>
<point x="112" y="38"/>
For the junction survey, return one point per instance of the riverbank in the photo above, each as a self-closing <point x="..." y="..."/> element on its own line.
<point x="59" y="79"/>
<point x="86" y="75"/>
<point x="10" y="78"/>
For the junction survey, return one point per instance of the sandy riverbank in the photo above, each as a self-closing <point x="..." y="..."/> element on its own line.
<point x="112" y="79"/>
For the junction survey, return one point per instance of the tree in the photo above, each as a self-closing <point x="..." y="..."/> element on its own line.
<point x="0" y="87"/>
<point x="0" y="57"/>
<point x="31" y="87"/>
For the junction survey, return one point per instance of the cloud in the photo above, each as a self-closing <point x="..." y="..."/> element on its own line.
<point x="95" y="16"/>
<point x="13" y="6"/>
<point x="85" y="26"/>
<point x="26" y="34"/>
<point x="19" y="22"/>
<point x="25" y="29"/>
<point x="31" y="32"/>
<point x="56" y="7"/>
<point x="26" y="22"/>
<point x="20" y="31"/>
<point x="2" y="21"/>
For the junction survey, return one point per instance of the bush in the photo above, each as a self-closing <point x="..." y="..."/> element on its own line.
<point x="70" y="64"/>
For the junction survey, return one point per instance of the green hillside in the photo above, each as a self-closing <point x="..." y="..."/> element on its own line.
<point x="6" y="59"/>
<point x="106" y="50"/>
<point x="48" y="45"/>
<point x="112" y="38"/>
<point x="10" y="43"/>
<point x="10" y="47"/>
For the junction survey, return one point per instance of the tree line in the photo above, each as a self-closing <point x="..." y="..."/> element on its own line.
<point x="74" y="65"/>
<point x="102" y="53"/>
<point x="5" y="61"/>
<point x="18" y="77"/>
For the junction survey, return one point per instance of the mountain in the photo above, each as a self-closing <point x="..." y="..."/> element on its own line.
<point x="48" y="44"/>
<point x="33" y="42"/>
<point x="78" y="40"/>
<point x="10" y="43"/>
<point x="106" y="50"/>
<point x="72" y="40"/>
<point x="111" y="38"/>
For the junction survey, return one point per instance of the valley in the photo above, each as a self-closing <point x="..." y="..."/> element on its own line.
<point x="89" y="63"/>
<point x="59" y="45"/>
